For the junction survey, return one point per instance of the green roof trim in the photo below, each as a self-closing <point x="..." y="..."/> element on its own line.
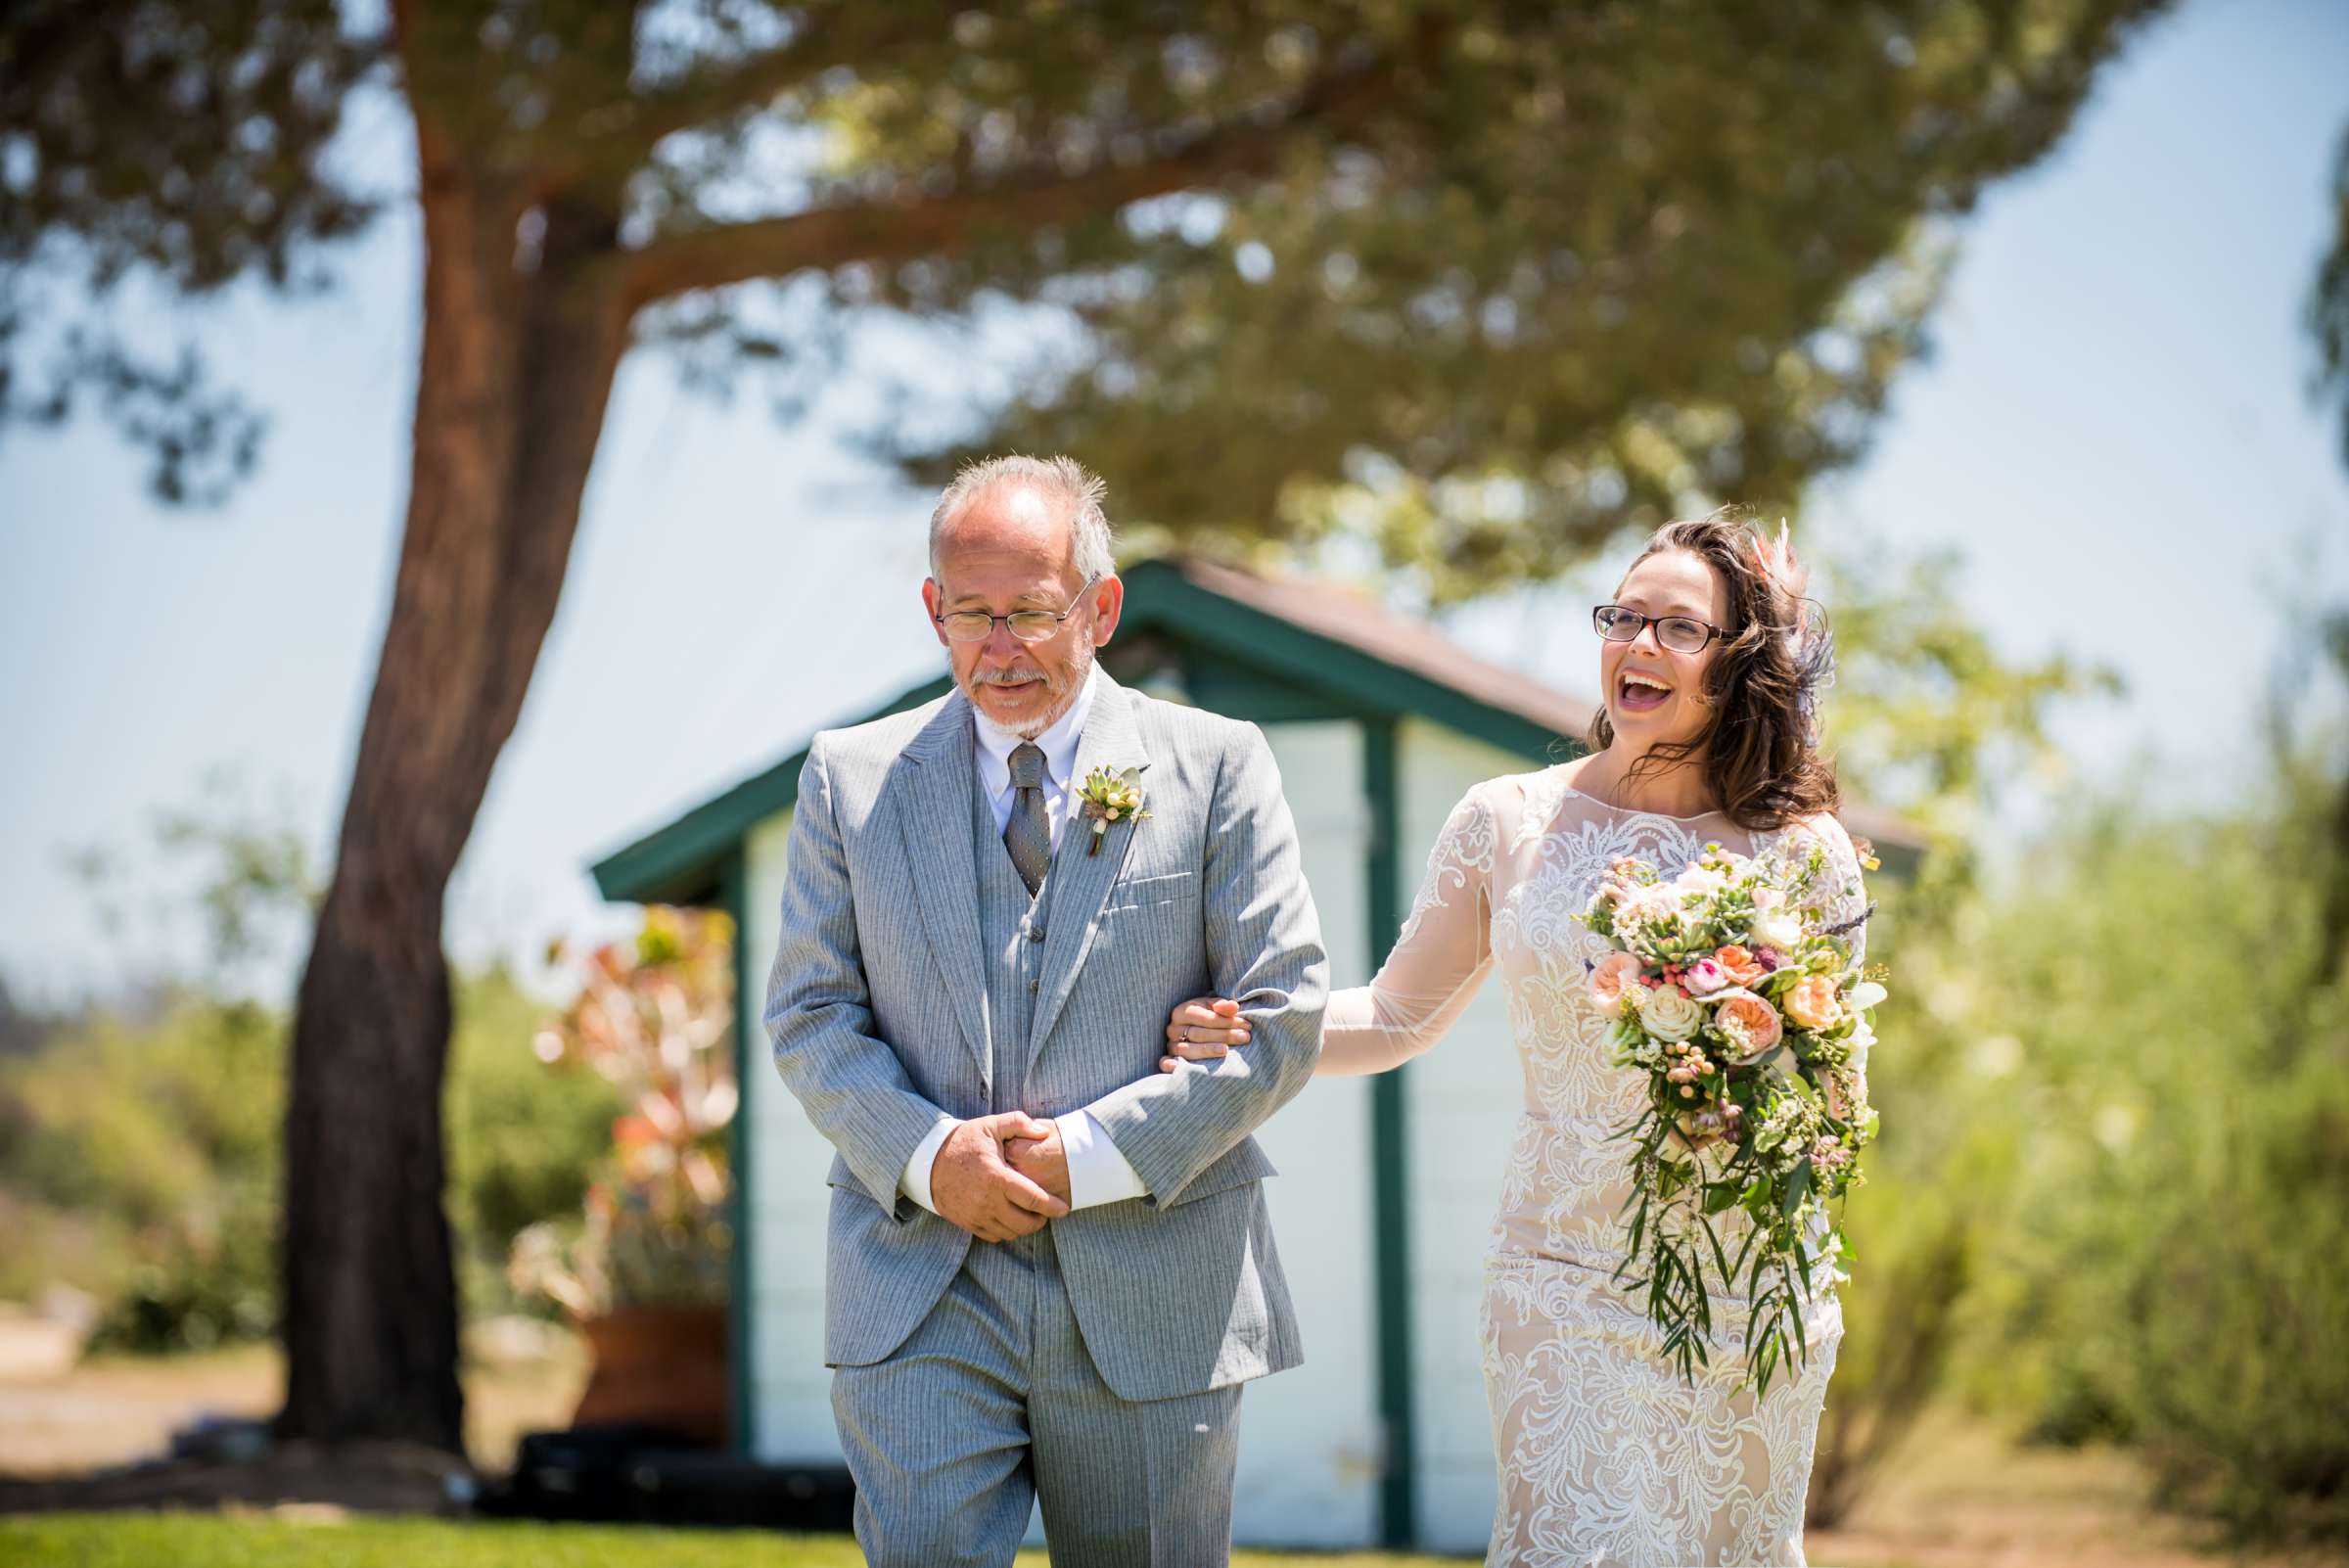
<point x="680" y="863"/>
<point x="1160" y="596"/>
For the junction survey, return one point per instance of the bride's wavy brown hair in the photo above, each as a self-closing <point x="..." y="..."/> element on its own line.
<point x="1758" y="750"/>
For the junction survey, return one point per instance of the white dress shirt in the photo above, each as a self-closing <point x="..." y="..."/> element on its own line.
<point x="1097" y="1171"/>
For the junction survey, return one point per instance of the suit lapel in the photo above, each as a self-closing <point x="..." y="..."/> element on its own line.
<point x="933" y="819"/>
<point x="1080" y="880"/>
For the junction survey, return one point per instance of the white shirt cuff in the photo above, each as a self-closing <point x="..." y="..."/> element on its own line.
<point x="916" y="1179"/>
<point x="1097" y="1171"/>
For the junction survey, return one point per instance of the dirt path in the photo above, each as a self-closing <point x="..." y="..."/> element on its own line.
<point x="1961" y="1495"/>
<point x="113" y="1411"/>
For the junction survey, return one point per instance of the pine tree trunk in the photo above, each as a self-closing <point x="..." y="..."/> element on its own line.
<point x="519" y="354"/>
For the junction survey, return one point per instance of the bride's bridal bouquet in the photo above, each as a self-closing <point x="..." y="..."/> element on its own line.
<point x="1748" y="1017"/>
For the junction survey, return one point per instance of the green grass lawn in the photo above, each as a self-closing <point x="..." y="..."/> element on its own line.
<point x="214" y="1540"/>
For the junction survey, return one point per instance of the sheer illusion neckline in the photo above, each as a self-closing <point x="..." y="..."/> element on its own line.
<point x="1633" y="810"/>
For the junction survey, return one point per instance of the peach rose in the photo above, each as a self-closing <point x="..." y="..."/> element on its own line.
<point x="1812" y="1003"/>
<point x="1742" y="966"/>
<point x="1750" y="1022"/>
<point x="1613" y="973"/>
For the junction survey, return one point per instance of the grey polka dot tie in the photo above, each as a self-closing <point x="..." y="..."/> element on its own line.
<point x="1029" y="832"/>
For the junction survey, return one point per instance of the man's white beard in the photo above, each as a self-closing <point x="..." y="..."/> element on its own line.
<point x="1030" y="729"/>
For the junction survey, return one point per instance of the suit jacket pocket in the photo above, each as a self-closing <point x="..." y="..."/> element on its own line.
<point x="1145" y="893"/>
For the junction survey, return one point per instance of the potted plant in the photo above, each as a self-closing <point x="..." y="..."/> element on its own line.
<point x="645" y="1277"/>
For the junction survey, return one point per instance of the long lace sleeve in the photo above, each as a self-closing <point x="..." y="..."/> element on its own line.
<point x="1443" y="954"/>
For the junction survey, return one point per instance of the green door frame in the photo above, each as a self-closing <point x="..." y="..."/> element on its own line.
<point x="1389" y="1154"/>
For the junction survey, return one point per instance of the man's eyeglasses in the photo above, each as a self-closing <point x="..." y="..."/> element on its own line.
<point x="1619" y="623"/>
<point x="1027" y="626"/>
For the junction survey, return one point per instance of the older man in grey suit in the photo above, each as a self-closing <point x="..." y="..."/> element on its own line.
<point x="1049" y="1266"/>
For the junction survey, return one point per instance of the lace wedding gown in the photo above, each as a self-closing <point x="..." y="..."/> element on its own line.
<point x="1605" y="1453"/>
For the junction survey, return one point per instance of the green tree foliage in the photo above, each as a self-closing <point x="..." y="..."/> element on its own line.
<point x="1512" y="275"/>
<point x="2329" y="300"/>
<point x="182" y="144"/>
<point x="2175" y="1242"/>
<point x="523" y="1141"/>
<point x="144" y="1157"/>
<point x="1549" y="272"/>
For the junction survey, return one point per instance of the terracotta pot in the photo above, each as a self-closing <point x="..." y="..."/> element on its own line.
<point x="660" y="1365"/>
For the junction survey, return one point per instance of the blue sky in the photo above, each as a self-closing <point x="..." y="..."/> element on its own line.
<point x="2113" y="430"/>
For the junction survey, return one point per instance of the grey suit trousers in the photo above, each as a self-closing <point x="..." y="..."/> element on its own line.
<point x="995" y="1403"/>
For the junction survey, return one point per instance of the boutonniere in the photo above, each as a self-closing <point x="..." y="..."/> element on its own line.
<point x="1105" y="797"/>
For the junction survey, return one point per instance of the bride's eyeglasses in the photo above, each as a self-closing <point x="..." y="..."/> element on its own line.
<point x="1618" y="623"/>
<point x="1029" y="625"/>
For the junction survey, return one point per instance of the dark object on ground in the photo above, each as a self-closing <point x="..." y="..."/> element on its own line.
<point x="635" y="1474"/>
<point x="362" y="1477"/>
<point x="212" y="1438"/>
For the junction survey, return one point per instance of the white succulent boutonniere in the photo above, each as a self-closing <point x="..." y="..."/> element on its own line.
<point x="1106" y="797"/>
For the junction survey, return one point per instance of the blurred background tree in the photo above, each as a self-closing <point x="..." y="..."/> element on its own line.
<point x="1485" y="282"/>
<point x="2329" y="300"/>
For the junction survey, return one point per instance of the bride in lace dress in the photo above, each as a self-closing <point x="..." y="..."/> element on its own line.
<point x="1709" y="666"/>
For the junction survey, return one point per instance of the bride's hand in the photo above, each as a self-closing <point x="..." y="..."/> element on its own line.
<point x="1202" y="1030"/>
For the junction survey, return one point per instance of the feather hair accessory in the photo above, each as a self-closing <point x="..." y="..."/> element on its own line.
<point x="1810" y="642"/>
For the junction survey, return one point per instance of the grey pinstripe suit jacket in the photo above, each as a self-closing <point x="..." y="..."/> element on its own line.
<point x="876" y="1010"/>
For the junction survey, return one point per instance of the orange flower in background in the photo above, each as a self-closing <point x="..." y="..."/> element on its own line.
<point x="1812" y="1003"/>
<point x="1743" y="967"/>
<point x="654" y="1016"/>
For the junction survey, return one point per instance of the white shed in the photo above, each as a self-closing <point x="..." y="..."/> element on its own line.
<point x="1379" y="724"/>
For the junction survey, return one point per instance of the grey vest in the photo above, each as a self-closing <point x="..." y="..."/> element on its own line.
<point x="1012" y="929"/>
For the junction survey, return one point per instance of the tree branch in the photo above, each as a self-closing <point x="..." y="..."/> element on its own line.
<point x="717" y="91"/>
<point x="883" y="230"/>
<point x="728" y="86"/>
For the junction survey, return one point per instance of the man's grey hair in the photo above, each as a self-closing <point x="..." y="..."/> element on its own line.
<point x="1059" y="479"/>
